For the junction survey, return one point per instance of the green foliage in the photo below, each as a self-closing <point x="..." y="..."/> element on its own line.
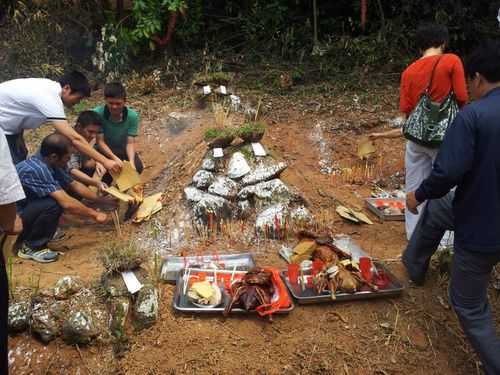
<point x="214" y="133"/>
<point x="252" y="128"/>
<point x="39" y="38"/>
<point x="24" y="40"/>
<point x="150" y="17"/>
<point x="111" y="53"/>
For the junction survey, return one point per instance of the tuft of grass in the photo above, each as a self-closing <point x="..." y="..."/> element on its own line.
<point x="122" y="256"/>
<point x="214" y="133"/>
<point x="252" y="127"/>
<point x="213" y="78"/>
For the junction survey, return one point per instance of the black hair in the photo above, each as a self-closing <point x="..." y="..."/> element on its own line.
<point x="55" y="143"/>
<point x="431" y="35"/>
<point x="485" y="60"/>
<point x="114" y="90"/>
<point x="87" y="118"/>
<point x="77" y="82"/>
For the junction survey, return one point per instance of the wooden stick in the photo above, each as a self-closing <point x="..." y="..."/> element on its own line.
<point x="116" y="221"/>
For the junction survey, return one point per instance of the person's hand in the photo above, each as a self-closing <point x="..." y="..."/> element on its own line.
<point x="102" y="187"/>
<point x="17" y="227"/>
<point x="101" y="218"/>
<point x="412" y="203"/>
<point x="118" y="160"/>
<point x="100" y="170"/>
<point x="113" y="166"/>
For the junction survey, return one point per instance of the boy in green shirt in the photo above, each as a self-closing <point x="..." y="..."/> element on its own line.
<point x="120" y="126"/>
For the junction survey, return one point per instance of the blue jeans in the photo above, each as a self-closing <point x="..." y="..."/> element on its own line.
<point x="470" y="276"/>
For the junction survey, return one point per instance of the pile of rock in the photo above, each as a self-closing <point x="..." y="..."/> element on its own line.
<point x="68" y="309"/>
<point x="80" y="316"/>
<point x="241" y="185"/>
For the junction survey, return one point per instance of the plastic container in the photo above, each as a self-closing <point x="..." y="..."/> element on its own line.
<point x="293" y="273"/>
<point x="365" y="266"/>
<point x="317" y="266"/>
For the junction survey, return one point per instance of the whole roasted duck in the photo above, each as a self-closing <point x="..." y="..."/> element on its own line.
<point x="254" y="289"/>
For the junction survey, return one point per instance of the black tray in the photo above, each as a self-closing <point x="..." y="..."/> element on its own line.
<point x="309" y="295"/>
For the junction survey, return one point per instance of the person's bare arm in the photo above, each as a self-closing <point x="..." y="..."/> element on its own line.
<point x="10" y="222"/>
<point x="393" y="133"/>
<point x="84" y="178"/>
<point x="88" y="194"/>
<point x="89" y="164"/>
<point x="83" y="146"/>
<point x="131" y="150"/>
<point x="74" y="206"/>
<point x="106" y="150"/>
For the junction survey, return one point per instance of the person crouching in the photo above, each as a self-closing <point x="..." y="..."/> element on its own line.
<point x="46" y="182"/>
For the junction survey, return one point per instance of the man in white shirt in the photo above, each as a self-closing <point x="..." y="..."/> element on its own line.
<point x="28" y="103"/>
<point x="10" y="223"/>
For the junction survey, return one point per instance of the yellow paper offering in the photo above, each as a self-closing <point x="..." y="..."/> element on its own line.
<point x="128" y="178"/>
<point x="366" y="148"/>
<point x="118" y="194"/>
<point x="149" y="207"/>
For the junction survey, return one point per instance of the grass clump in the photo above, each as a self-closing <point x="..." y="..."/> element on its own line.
<point x="122" y="256"/>
<point x="213" y="78"/>
<point x="252" y="131"/>
<point x="252" y="127"/>
<point x="214" y="133"/>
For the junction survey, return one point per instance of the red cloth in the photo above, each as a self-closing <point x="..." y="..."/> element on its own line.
<point x="449" y="74"/>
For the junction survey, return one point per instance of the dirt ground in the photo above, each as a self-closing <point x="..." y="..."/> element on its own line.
<point x="416" y="333"/>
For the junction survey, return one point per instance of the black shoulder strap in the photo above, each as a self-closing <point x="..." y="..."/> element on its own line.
<point x="432" y="74"/>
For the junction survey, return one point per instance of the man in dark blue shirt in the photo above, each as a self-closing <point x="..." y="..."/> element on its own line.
<point x="469" y="158"/>
<point x="45" y="182"/>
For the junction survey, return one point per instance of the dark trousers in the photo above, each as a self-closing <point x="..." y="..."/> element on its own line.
<point x="139" y="166"/>
<point x="470" y="276"/>
<point x="436" y="219"/>
<point x="40" y="219"/>
<point x="17" y="147"/>
<point x="4" y="309"/>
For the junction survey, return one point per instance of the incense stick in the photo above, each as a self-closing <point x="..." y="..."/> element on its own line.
<point x="302" y="286"/>
<point x="232" y="274"/>
<point x="186" y="279"/>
